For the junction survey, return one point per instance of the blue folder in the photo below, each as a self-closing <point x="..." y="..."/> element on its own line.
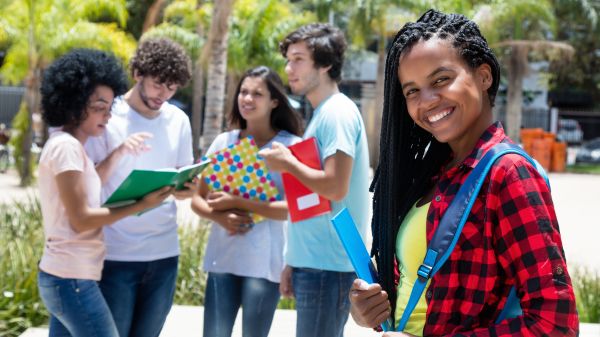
<point x="356" y="250"/>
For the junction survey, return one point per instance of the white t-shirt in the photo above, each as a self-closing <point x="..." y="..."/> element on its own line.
<point x="153" y="234"/>
<point x="68" y="254"/>
<point x="259" y="252"/>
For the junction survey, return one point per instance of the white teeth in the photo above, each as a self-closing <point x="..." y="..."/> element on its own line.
<point x="435" y="118"/>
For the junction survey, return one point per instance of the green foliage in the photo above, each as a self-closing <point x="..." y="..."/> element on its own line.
<point x="184" y="14"/>
<point x="286" y="303"/>
<point x="21" y="246"/>
<point x="256" y="30"/>
<point x="586" y="283"/>
<point x="501" y="20"/>
<point x="188" y="39"/>
<point x="20" y="124"/>
<point x="191" y="279"/>
<point x="46" y="29"/>
<point x="579" y="26"/>
<point x="104" y="36"/>
<point x="322" y="9"/>
<point x="137" y="14"/>
<point x="101" y="11"/>
<point x="584" y="168"/>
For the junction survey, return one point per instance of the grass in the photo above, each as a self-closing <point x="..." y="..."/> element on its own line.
<point x="584" y="168"/>
<point x="586" y="283"/>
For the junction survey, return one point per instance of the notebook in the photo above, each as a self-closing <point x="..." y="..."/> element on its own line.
<point x="302" y="202"/>
<point x="239" y="170"/>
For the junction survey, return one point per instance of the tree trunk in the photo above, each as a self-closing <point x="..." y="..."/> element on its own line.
<point x="517" y="68"/>
<point x="31" y="101"/>
<point x="198" y="91"/>
<point x="217" y="71"/>
<point x="32" y="89"/>
<point x="198" y="97"/>
<point x="232" y="81"/>
<point x="152" y="15"/>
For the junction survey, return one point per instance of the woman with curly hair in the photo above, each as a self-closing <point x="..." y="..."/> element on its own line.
<point x="440" y="83"/>
<point x="77" y="95"/>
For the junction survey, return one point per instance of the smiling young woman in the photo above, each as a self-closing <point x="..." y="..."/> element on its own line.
<point x="244" y="260"/>
<point x="441" y="81"/>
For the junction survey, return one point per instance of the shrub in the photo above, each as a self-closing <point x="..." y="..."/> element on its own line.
<point x="191" y="279"/>
<point x="21" y="246"/>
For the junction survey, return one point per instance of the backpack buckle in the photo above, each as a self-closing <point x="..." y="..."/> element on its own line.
<point x="424" y="272"/>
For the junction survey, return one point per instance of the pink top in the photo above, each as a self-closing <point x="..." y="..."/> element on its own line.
<point x="68" y="254"/>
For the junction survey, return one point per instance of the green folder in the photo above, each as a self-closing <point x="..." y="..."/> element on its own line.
<point x="141" y="182"/>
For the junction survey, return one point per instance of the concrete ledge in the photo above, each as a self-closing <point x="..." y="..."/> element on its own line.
<point x="187" y="321"/>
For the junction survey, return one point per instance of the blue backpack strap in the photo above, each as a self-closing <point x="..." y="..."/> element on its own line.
<point x="451" y="225"/>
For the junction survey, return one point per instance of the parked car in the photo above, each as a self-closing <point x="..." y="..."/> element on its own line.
<point x="569" y="131"/>
<point x="589" y="152"/>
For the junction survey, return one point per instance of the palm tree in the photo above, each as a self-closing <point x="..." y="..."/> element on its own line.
<point x="186" y="22"/>
<point x="38" y="31"/>
<point x="152" y="15"/>
<point x="579" y="75"/>
<point x="375" y="20"/>
<point x="217" y="71"/>
<point x="524" y="29"/>
<point x="256" y="30"/>
<point x="326" y="10"/>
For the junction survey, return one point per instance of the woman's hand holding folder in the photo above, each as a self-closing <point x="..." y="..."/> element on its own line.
<point x="370" y="304"/>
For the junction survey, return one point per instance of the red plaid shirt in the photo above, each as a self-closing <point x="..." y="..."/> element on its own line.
<point x="510" y="238"/>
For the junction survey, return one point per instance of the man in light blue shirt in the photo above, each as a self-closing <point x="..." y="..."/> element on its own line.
<point x="319" y="273"/>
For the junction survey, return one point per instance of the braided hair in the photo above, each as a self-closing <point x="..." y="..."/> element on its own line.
<point x="410" y="157"/>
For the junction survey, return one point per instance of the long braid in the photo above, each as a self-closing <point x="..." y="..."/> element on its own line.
<point x="409" y="156"/>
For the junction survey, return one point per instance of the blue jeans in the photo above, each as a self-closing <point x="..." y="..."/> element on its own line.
<point x="224" y="295"/>
<point x="139" y="294"/>
<point x="76" y="307"/>
<point x="322" y="302"/>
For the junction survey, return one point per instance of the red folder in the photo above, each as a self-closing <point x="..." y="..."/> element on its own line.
<point x="302" y="202"/>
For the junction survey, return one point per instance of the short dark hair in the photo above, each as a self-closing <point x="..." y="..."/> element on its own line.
<point x="326" y="42"/>
<point x="409" y="156"/>
<point x="70" y="81"/>
<point x="163" y="59"/>
<point x="283" y="116"/>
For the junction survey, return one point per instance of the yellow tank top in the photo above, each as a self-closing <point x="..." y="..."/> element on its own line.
<point x="411" y="245"/>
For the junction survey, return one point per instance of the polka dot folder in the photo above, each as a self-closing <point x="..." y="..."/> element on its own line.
<point x="239" y="170"/>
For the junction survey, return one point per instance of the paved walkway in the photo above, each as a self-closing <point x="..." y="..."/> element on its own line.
<point x="186" y="321"/>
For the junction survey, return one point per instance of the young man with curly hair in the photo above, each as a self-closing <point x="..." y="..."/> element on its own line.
<point x="140" y="270"/>
<point x="319" y="273"/>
